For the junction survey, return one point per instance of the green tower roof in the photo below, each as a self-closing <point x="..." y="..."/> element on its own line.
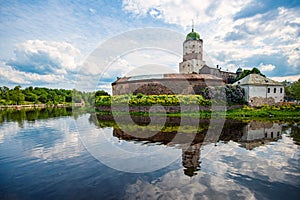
<point x="193" y="36"/>
<point x="239" y="70"/>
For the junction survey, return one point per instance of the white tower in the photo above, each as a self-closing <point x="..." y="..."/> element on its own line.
<point x="192" y="54"/>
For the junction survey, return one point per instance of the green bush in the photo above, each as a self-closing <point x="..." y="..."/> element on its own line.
<point x="145" y="100"/>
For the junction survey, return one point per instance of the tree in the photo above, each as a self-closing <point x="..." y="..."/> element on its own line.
<point x="293" y="91"/>
<point x="52" y="96"/>
<point x="43" y="98"/>
<point x="101" y="93"/>
<point x="31" y="97"/>
<point x="234" y="94"/>
<point x="246" y="72"/>
<point x="46" y="95"/>
<point x="77" y="96"/>
<point x="16" y="95"/>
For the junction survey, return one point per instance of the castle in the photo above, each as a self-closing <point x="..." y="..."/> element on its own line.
<point x="193" y="60"/>
<point x="193" y="76"/>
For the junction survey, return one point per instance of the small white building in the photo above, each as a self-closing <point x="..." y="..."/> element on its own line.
<point x="260" y="90"/>
<point x="257" y="133"/>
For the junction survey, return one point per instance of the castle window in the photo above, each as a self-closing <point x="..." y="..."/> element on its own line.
<point x="268" y="90"/>
<point x="280" y="90"/>
<point x="274" y="90"/>
<point x="271" y="134"/>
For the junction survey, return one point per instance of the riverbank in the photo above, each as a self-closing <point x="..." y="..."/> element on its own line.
<point x="39" y="106"/>
<point x="242" y="112"/>
<point x="266" y="112"/>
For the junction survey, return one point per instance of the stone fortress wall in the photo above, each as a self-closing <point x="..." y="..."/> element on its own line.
<point x="168" y="84"/>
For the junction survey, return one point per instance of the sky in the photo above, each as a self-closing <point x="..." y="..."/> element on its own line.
<point x="48" y="43"/>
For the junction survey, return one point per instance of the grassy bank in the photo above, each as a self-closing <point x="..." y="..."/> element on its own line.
<point x="277" y="112"/>
<point x="287" y="112"/>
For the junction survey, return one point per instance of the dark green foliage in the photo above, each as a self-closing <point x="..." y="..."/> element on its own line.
<point x="230" y="93"/>
<point x="246" y="72"/>
<point x="101" y="93"/>
<point x="43" y="98"/>
<point x="36" y="95"/>
<point x="295" y="133"/>
<point x="293" y="91"/>
<point x="235" y="94"/>
<point x="16" y="95"/>
<point x="214" y="93"/>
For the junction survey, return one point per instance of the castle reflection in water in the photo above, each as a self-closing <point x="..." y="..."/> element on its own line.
<point x="140" y="128"/>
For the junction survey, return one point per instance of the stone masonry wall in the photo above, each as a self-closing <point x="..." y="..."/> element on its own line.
<point x="163" y="86"/>
<point x="259" y="101"/>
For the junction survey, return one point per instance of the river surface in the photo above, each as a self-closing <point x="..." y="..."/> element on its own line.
<point x="60" y="154"/>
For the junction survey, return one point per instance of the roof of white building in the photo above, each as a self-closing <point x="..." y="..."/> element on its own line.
<point x="256" y="79"/>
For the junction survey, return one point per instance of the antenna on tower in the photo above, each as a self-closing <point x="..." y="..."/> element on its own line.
<point x="192" y="25"/>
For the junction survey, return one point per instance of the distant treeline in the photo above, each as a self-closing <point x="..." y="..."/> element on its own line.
<point x="36" y="95"/>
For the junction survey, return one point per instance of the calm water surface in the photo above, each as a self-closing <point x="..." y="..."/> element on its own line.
<point x="54" y="154"/>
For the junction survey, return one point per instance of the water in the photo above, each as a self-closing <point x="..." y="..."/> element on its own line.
<point x="54" y="154"/>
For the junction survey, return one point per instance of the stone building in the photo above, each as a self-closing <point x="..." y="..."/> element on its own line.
<point x="260" y="90"/>
<point x="192" y="54"/>
<point x="193" y="60"/>
<point x="228" y="77"/>
<point x="193" y="76"/>
<point x="165" y="84"/>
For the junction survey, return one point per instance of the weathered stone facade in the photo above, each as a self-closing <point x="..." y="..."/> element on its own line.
<point x="260" y="90"/>
<point x="228" y="77"/>
<point x="193" y="62"/>
<point x="194" y="75"/>
<point x="167" y="84"/>
<point x="258" y="101"/>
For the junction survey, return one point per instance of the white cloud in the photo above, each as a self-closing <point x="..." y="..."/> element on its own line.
<point x="68" y="147"/>
<point x="9" y="74"/>
<point x="45" y="57"/>
<point x="259" y="37"/>
<point x="93" y="11"/>
<point x="221" y="168"/>
<point x="272" y="34"/>
<point x="40" y="62"/>
<point x="182" y="12"/>
<point x="267" y="67"/>
<point x="286" y="78"/>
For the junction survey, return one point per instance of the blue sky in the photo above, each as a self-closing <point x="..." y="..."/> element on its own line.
<point x="44" y="43"/>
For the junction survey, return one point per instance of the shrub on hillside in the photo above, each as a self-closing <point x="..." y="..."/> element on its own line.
<point x="232" y="94"/>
